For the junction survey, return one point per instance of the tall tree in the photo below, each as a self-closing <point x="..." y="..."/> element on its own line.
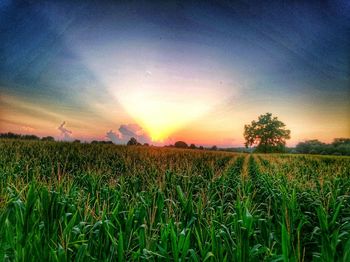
<point x="268" y="134"/>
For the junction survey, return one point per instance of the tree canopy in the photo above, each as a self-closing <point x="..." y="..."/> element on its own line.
<point x="132" y="142"/>
<point x="19" y="136"/>
<point x="48" y="138"/>
<point x="268" y="134"/>
<point x="193" y="146"/>
<point x="340" y="146"/>
<point x="180" y="144"/>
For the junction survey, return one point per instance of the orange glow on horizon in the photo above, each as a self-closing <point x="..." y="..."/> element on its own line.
<point x="189" y="121"/>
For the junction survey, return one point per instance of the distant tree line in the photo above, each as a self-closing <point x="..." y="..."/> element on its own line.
<point x="339" y="146"/>
<point x="25" y="137"/>
<point x="269" y="135"/>
<point x="96" y="142"/>
<point x="184" y="145"/>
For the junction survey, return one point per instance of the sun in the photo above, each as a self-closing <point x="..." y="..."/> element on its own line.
<point x="163" y="103"/>
<point x="161" y="116"/>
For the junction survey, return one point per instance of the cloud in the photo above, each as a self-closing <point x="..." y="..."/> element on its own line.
<point x="125" y="132"/>
<point x="114" y="137"/>
<point x="66" y="134"/>
<point x="128" y="130"/>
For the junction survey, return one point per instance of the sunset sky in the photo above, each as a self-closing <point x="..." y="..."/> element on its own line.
<point x="194" y="71"/>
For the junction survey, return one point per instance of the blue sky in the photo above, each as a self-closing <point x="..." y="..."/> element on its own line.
<point x="196" y="71"/>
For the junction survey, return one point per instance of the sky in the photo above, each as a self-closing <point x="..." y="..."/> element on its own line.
<point x="164" y="71"/>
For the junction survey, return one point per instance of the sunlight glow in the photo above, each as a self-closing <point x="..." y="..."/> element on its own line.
<point x="160" y="116"/>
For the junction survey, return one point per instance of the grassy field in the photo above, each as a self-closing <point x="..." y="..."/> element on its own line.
<point x="81" y="202"/>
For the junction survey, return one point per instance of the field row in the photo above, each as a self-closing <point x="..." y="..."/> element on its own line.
<point x="67" y="202"/>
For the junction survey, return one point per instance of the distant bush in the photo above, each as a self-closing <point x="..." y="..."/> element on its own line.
<point x="340" y="146"/>
<point x="18" y="136"/>
<point x="96" y="142"/>
<point x="181" y="144"/>
<point x="133" y="142"/>
<point x="47" y="138"/>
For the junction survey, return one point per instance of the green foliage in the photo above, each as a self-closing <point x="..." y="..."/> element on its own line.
<point x="340" y="146"/>
<point x="132" y="142"/>
<point x="268" y="133"/>
<point x="48" y="138"/>
<point x="10" y="135"/>
<point x="214" y="148"/>
<point x="100" y="202"/>
<point x="180" y="144"/>
<point x="192" y="146"/>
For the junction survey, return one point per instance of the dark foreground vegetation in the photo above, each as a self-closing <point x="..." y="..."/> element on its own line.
<point x="100" y="202"/>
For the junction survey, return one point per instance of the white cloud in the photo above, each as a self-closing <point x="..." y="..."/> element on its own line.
<point x="127" y="131"/>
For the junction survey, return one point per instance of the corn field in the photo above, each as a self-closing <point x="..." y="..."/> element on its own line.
<point x="82" y="202"/>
